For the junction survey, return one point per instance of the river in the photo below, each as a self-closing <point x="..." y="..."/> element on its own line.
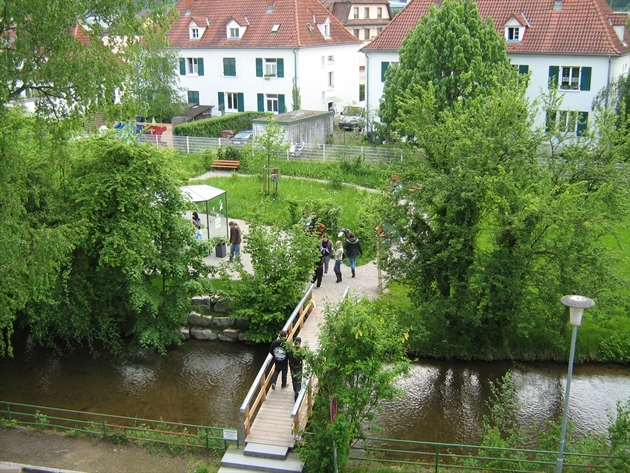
<point x="205" y="382"/>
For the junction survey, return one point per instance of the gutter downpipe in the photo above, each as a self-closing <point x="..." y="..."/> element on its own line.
<point x="608" y="79"/>
<point x="367" y="95"/>
<point x="295" y="74"/>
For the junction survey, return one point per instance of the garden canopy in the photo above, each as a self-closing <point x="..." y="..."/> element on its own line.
<point x="205" y="193"/>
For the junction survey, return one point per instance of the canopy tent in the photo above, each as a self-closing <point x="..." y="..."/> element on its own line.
<point x="205" y="193"/>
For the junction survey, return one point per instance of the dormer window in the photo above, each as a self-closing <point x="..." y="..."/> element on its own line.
<point x="235" y="29"/>
<point x="194" y="33"/>
<point x="235" y="33"/>
<point x="513" y="34"/>
<point x="324" y="28"/>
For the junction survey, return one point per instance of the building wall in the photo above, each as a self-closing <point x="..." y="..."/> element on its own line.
<point x="312" y="77"/>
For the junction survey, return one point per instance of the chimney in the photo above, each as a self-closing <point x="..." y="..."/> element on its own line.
<point x="189" y="6"/>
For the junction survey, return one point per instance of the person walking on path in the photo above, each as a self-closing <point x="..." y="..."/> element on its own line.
<point x="353" y="249"/>
<point x="235" y="241"/>
<point x="319" y="271"/>
<point x="326" y="250"/>
<point x="338" y="259"/>
<point x="278" y="350"/>
<point x="196" y="221"/>
<point x="295" y="364"/>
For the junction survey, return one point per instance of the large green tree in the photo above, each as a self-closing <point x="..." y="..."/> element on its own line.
<point x="134" y="260"/>
<point x="453" y="50"/>
<point x="493" y="236"/>
<point x="56" y="51"/>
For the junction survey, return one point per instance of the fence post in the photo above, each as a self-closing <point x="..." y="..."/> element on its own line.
<point x="187" y="146"/>
<point x="208" y="440"/>
<point x="104" y="425"/>
<point x="8" y="410"/>
<point x="437" y="458"/>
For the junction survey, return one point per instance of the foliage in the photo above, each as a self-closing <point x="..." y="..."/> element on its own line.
<point x="452" y="50"/>
<point x="283" y="261"/>
<point x="358" y="359"/>
<point x="267" y="146"/>
<point x="230" y="152"/>
<point x="492" y="237"/>
<point x="155" y="79"/>
<point x="133" y="256"/>
<point x="296" y="103"/>
<point x="619" y="436"/>
<point x="58" y="54"/>
<point x="212" y="127"/>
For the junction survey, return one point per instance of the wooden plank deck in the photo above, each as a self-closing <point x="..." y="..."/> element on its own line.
<point x="273" y="424"/>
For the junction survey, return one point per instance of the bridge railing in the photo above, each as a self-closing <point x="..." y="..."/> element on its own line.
<point x="304" y="403"/>
<point x="260" y="387"/>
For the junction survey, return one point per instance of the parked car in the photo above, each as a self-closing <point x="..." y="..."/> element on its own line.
<point x="242" y="137"/>
<point x="352" y="118"/>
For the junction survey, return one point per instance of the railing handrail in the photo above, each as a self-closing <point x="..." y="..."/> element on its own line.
<point x="255" y="384"/>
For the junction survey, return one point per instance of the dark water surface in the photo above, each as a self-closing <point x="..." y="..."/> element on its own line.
<point x="205" y="382"/>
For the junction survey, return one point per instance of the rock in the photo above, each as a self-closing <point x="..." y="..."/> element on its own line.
<point x="199" y="320"/>
<point x="202" y="334"/>
<point x="224" y="338"/>
<point x="241" y="322"/>
<point x="223" y="321"/>
<point x="202" y="301"/>
<point x="241" y="337"/>
<point x="222" y="305"/>
<point x="231" y="333"/>
<point x="185" y="333"/>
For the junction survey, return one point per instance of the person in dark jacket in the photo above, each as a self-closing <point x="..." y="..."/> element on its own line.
<point x="319" y="270"/>
<point x="326" y="249"/>
<point x="235" y="241"/>
<point x="278" y="350"/>
<point x="352" y="249"/>
<point x="295" y="364"/>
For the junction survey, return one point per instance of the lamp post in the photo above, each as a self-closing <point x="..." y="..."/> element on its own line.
<point x="576" y="305"/>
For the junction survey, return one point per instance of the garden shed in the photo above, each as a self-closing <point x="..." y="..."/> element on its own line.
<point x="307" y="126"/>
<point x="216" y="207"/>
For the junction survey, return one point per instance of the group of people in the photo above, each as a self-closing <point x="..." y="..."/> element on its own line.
<point x="309" y="222"/>
<point x="352" y="249"/>
<point x="235" y="235"/>
<point x="287" y="357"/>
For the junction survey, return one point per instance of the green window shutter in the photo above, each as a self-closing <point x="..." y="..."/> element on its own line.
<point x="523" y="69"/>
<point x="241" y="102"/>
<point x="221" y="99"/>
<point x="585" y="79"/>
<point x="550" y="120"/>
<point x="193" y="97"/>
<point x="582" y="122"/>
<point x="281" y="107"/>
<point x="229" y="66"/>
<point x="280" y="67"/>
<point x="384" y="66"/>
<point x="261" y="102"/>
<point x="554" y="74"/>
<point x="225" y="67"/>
<point x="259" y="67"/>
<point x="200" y="66"/>
<point x="182" y="66"/>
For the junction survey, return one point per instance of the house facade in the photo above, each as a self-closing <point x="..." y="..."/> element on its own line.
<point x="248" y="56"/>
<point x="365" y="19"/>
<point x="576" y="46"/>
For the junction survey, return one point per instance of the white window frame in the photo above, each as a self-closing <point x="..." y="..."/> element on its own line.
<point x="192" y="66"/>
<point x="271" y="103"/>
<point x="331" y="59"/>
<point x="231" y="101"/>
<point x="366" y="13"/>
<point x="379" y="12"/>
<point x="573" y="74"/>
<point x="367" y="32"/>
<point x="355" y="12"/>
<point x="326" y="30"/>
<point x="357" y="32"/>
<point x="270" y="67"/>
<point x="331" y="79"/>
<point x="194" y="33"/>
<point x="513" y="33"/>
<point x="567" y="121"/>
<point x="235" y="33"/>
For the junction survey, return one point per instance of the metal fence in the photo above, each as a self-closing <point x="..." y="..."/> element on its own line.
<point x="174" y="435"/>
<point x="310" y="152"/>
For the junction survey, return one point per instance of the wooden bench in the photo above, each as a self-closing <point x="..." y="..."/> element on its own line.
<point x="226" y="164"/>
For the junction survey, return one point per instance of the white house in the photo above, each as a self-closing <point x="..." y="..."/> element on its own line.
<point x="248" y="55"/>
<point x="578" y="46"/>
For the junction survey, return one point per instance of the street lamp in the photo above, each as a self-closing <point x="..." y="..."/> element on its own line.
<point x="576" y="305"/>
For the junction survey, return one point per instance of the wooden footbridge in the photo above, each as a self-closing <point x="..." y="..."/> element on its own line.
<point x="269" y="420"/>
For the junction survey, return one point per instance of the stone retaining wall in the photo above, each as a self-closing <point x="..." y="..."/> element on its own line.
<point x="215" y="327"/>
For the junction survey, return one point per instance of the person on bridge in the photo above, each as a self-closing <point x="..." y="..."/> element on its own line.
<point x="295" y="363"/>
<point x="278" y="350"/>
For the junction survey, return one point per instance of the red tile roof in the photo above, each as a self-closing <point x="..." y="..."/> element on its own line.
<point x="259" y="16"/>
<point x="580" y="27"/>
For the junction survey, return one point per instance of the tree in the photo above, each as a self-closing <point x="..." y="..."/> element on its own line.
<point x="55" y="51"/>
<point x="283" y="261"/>
<point x="155" y="80"/>
<point x="270" y="145"/>
<point x="453" y="50"/>
<point x="134" y="259"/>
<point x="492" y="236"/>
<point x="360" y="356"/>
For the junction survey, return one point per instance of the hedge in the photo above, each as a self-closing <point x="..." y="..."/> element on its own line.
<point x="212" y="127"/>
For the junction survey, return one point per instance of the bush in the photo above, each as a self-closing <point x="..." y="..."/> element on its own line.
<point x="212" y="127"/>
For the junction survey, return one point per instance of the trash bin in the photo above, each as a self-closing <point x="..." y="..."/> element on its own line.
<point x="221" y="250"/>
